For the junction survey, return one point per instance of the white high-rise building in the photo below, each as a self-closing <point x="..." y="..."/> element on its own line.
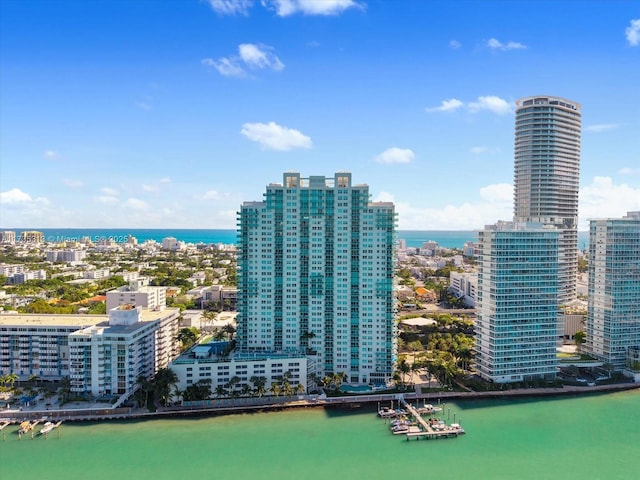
<point x="108" y="358"/>
<point x="517" y="326"/>
<point x="315" y="275"/>
<point x="613" y="315"/>
<point x="547" y="174"/>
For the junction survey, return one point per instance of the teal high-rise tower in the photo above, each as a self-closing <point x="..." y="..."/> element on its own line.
<point x="315" y="275"/>
<point x="613" y="315"/>
<point x="517" y="325"/>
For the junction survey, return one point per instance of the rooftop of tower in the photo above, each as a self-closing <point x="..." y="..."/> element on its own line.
<point x="548" y="100"/>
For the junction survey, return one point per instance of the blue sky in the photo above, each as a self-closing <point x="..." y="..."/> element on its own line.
<point x="171" y="113"/>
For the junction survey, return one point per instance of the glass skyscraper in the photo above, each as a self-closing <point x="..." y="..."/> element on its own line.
<point x="315" y="275"/>
<point x="547" y="174"/>
<point x="613" y="316"/>
<point x="517" y="325"/>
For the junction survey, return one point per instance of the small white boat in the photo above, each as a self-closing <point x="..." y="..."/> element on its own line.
<point x="47" y="427"/>
<point x="428" y="409"/>
<point x="457" y="428"/>
<point x="400" y="429"/>
<point x="386" y="412"/>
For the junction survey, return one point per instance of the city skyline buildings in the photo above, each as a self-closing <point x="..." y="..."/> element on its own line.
<point x="547" y="175"/>
<point x="315" y="276"/>
<point x="112" y="131"/>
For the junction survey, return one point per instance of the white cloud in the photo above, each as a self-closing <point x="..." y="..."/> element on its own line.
<point x="51" y="155"/>
<point x="211" y="195"/>
<point x="107" y="199"/>
<point x="225" y="66"/>
<point x="452" y="217"/>
<point x="272" y="136"/>
<point x="495" y="44"/>
<point x="259" y="56"/>
<point x="490" y="103"/>
<point x="69" y="182"/>
<point x="231" y="7"/>
<point x="14" y="196"/>
<point x="497" y="192"/>
<point x="395" y="155"/>
<point x="250" y="55"/>
<point x="145" y="105"/>
<point x="629" y="171"/>
<point x="603" y="127"/>
<point x="384" y="197"/>
<point x="480" y="149"/>
<point x="285" y="8"/>
<point x="447" y="106"/>
<point x="604" y="199"/>
<point x="109" y="191"/>
<point x="136" y="204"/>
<point x="156" y="186"/>
<point x="632" y="32"/>
<point x="455" y="44"/>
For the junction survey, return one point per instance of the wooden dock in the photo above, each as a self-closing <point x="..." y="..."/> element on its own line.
<point x="428" y="430"/>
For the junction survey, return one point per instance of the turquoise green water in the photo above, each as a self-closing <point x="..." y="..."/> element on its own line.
<point x="594" y="437"/>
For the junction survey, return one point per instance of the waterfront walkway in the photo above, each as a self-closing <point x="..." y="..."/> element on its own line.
<point x="298" y="402"/>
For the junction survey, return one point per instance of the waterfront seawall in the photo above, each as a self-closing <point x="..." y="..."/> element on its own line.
<point x="74" y="415"/>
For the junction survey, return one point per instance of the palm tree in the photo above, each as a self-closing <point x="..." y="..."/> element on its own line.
<point x="218" y="334"/>
<point x="300" y="389"/>
<point x="337" y="378"/>
<point x="229" y="330"/>
<point x="404" y="368"/>
<point x="220" y="391"/>
<point x="288" y="389"/>
<point x="259" y="384"/>
<point x="276" y="389"/>
<point x="187" y="336"/>
<point x="64" y="391"/>
<point x="231" y="385"/>
<point x="143" y="389"/>
<point x="209" y="317"/>
<point x="163" y="380"/>
<point x="326" y="381"/>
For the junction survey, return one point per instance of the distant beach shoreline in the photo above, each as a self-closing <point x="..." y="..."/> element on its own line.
<point x="413" y="238"/>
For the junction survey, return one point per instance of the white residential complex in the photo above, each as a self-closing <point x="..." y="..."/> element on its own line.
<point x="315" y="275"/>
<point x="517" y="316"/>
<point x="102" y="355"/>
<point x="137" y="293"/>
<point x="204" y="363"/>
<point x="465" y="287"/>
<point x="547" y="175"/>
<point x="613" y="315"/>
<point x="108" y="358"/>
<point x="65" y="255"/>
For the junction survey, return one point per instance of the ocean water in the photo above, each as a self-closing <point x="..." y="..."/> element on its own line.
<point x="414" y="238"/>
<point x="590" y="437"/>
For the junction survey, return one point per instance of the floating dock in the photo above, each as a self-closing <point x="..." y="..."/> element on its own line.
<point x="431" y="429"/>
